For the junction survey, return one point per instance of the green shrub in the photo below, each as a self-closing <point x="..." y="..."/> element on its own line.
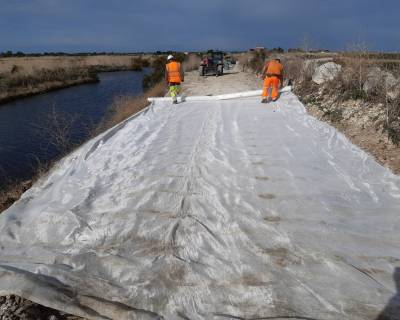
<point x="150" y="80"/>
<point x="257" y="60"/>
<point x="137" y="64"/>
<point x="15" y="69"/>
<point x="158" y="65"/>
<point x="145" y="63"/>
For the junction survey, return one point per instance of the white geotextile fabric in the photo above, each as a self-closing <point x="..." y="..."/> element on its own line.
<point x="209" y="210"/>
<point x="227" y="96"/>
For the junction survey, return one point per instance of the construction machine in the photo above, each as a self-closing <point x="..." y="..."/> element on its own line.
<point x="212" y="63"/>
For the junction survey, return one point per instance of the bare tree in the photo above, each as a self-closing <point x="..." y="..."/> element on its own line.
<point x="56" y="129"/>
<point x="244" y="60"/>
<point x="359" y="54"/>
<point x="306" y="43"/>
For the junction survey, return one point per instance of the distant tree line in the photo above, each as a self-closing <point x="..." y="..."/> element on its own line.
<point x="9" y="54"/>
<point x="309" y="51"/>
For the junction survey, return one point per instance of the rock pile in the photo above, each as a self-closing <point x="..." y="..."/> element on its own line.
<point x="16" y="308"/>
<point x="326" y="72"/>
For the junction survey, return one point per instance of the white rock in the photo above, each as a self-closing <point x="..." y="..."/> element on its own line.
<point x="326" y="72"/>
<point x="378" y="79"/>
<point x="310" y="65"/>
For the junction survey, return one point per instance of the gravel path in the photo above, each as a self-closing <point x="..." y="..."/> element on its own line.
<point x="232" y="81"/>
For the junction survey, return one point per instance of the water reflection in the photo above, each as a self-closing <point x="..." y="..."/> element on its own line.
<point x="22" y="145"/>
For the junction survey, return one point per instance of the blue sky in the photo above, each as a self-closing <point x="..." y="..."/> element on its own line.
<point x="129" y="25"/>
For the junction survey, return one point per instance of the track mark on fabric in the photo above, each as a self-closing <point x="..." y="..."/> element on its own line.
<point x="251" y="280"/>
<point x="268" y="196"/>
<point x="282" y="256"/>
<point x="272" y="219"/>
<point x="262" y="178"/>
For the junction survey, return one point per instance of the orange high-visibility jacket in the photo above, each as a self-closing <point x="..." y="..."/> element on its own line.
<point x="174" y="72"/>
<point x="274" y="68"/>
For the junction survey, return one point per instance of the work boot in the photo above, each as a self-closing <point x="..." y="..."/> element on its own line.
<point x="274" y="99"/>
<point x="175" y="101"/>
<point x="265" y="100"/>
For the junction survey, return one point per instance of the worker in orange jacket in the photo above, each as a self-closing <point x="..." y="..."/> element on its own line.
<point x="174" y="77"/>
<point x="273" y="78"/>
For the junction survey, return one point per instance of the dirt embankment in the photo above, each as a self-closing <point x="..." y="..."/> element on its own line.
<point x="26" y="76"/>
<point x="359" y="97"/>
<point x="362" y="122"/>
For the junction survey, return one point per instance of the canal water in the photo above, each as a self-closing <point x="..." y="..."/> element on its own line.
<point x="25" y="124"/>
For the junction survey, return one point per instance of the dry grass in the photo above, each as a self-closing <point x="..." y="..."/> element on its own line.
<point x="243" y="59"/>
<point x="252" y="61"/>
<point x="13" y="190"/>
<point x="392" y="125"/>
<point x="138" y="63"/>
<point x="358" y="66"/>
<point x="19" y="83"/>
<point x="30" y="65"/>
<point x="356" y="71"/>
<point x="124" y="107"/>
<point x="12" y="193"/>
<point x="294" y="68"/>
<point x="20" y="80"/>
<point x="191" y="62"/>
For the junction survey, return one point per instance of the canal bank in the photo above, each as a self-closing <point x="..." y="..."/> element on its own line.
<point x="27" y="76"/>
<point x="46" y="87"/>
<point x="29" y="127"/>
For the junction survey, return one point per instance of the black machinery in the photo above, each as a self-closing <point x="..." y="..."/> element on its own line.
<point x="212" y="64"/>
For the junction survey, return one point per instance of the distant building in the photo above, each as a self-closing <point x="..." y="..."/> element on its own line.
<point x="259" y="49"/>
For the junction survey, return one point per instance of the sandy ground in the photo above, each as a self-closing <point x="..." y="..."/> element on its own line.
<point x="232" y="81"/>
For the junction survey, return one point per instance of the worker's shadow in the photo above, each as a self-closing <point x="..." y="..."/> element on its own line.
<point x="392" y="310"/>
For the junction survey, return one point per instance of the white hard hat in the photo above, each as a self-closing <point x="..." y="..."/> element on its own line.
<point x="170" y="57"/>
